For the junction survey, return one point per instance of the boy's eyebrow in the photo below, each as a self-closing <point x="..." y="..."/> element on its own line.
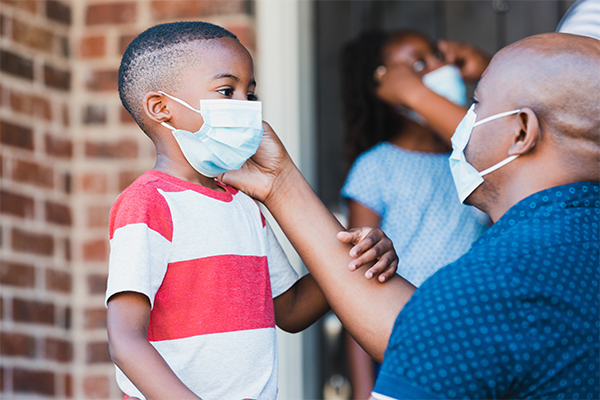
<point x="235" y="78"/>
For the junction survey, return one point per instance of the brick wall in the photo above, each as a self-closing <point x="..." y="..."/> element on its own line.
<point x="68" y="148"/>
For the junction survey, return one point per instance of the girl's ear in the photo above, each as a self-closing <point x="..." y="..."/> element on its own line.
<point x="526" y="134"/>
<point x="155" y="107"/>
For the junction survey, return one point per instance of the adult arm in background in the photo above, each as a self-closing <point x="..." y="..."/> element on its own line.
<point x="366" y="307"/>
<point x="469" y="59"/>
<point x="399" y="84"/>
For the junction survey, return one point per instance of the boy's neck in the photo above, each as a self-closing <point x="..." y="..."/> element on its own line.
<point x="181" y="169"/>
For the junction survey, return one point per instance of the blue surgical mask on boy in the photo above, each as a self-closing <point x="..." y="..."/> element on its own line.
<point x="466" y="177"/>
<point x="231" y="134"/>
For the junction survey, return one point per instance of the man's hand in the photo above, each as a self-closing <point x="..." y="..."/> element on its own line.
<point x="258" y="175"/>
<point x="371" y="244"/>
<point x="470" y="60"/>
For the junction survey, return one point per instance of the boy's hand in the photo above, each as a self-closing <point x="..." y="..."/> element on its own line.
<point x="371" y="244"/>
<point x="259" y="174"/>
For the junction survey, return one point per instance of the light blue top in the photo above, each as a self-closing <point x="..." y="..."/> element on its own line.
<point x="415" y="197"/>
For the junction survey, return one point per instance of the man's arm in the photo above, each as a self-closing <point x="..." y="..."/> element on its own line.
<point x="367" y="308"/>
<point x="127" y="320"/>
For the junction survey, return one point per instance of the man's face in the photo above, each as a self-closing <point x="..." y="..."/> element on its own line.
<point x="226" y="71"/>
<point x="490" y="142"/>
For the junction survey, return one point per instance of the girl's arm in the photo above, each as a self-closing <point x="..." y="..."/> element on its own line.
<point x="127" y="320"/>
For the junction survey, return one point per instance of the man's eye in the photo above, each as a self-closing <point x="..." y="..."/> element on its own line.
<point x="252" y="97"/>
<point x="473" y="100"/>
<point x="226" y="92"/>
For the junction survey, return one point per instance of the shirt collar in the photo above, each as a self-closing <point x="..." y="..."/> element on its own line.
<point x="572" y="195"/>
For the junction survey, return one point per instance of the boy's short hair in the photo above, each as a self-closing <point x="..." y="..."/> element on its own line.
<point x="156" y="59"/>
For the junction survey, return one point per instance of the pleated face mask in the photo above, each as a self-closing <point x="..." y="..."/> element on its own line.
<point x="231" y="134"/>
<point x="466" y="177"/>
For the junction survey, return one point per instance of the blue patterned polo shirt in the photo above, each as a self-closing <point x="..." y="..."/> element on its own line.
<point x="515" y="317"/>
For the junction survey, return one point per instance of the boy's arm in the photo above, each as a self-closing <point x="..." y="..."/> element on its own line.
<point x="300" y="306"/>
<point x="127" y="320"/>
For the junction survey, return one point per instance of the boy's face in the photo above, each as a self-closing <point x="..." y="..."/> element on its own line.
<point x="226" y="71"/>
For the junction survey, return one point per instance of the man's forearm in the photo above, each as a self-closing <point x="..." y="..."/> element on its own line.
<point x="366" y="308"/>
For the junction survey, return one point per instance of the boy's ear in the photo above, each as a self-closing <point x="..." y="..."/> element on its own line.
<point x="155" y="107"/>
<point x="528" y="132"/>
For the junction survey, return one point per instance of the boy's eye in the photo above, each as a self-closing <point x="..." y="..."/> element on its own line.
<point x="252" y="97"/>
<point x="226" y="92"/>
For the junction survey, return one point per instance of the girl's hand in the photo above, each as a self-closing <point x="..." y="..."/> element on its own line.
<point x="371" y="245"/>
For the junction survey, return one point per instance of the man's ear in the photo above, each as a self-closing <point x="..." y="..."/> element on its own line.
<point x="155" y="107"/>
<point x="525" y="138"/>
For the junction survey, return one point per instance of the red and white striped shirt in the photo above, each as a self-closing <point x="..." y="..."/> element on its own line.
<point x="210" y="266"/>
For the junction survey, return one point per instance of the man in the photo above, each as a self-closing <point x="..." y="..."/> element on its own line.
<point x="518" y="315"/>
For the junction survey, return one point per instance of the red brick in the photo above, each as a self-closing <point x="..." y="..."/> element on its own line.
<point x="56" y="78"/>
<point x="15" y="274"/>
<point x="67" y="249"/>
<point x="67" y="182"/>
<point x="16" y="204"/>
<point x="15" y="64"/>
<point x="96" y="387"/>
<point x="68" y="386"/>
<point x="32" y="36"/>
<point x="33" y="311"/>
<point x="98" y="217"/>
<point x="92" y="47"/>
<point x="94" y="114"/>
<point x="58" y="281"/>
<point x="125" y="117"/>
<point x="95" y="250"/>
<point x="58" y="11"/>
<point x="103" y="81"/>
<point x="58" y="350"/>
<point x="29" y="381"/>
<point x="29" y="5"/>
<point x="97" y="352"/>
<point x="65" y="115"/>
<point x="29" y="242"/>
<point x="94" y="182"/>
<point x="177" y="9"/>
<point x="58" y="147"/>
<point x="244" y="33"/>
<point x="111" y="13"/>
<point x="95" y="318"/>
<point x="124" y="41"/>
<point x="16" y="135"/>
<point x="125" y="148"/>
<point x="96" y="284"/>
<point x="126" y="178"/>
<point x="33" y="105"/>
<point x="17" y="345"/>
<point x="58" y="213"/>
<point x="30" y="172"/>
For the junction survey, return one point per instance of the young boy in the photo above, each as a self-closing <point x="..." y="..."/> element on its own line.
<point x="197" y="279"/>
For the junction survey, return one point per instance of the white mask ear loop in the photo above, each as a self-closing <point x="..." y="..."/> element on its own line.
<point x="183" y="103"/>
<point x="507" y="160"/>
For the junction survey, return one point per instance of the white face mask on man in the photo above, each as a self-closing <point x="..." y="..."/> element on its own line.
<point x="466" y="177"/>
<point x="231" y="133"/>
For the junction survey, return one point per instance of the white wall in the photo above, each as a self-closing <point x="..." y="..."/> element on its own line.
<point x="284" y="66"/>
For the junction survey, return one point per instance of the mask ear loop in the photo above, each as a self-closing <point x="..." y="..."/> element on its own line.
<point x="183" y="103"/>
<point x="506" y="160"/>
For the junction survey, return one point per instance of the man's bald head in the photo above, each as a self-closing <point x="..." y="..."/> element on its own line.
<point x="557" y="75"/>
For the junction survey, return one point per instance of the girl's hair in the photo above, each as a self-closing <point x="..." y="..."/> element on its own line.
<point x="367" y="119"/>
